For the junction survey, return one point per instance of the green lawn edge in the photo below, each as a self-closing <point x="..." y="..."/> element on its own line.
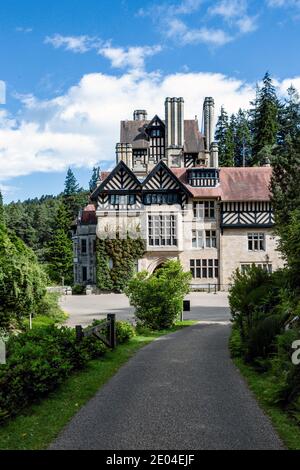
<point x="260" y="384"/>
<point x="41" y="423"/>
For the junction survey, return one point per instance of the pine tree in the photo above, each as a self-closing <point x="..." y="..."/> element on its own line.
<point x="71" y="184"/>
<point x="74" y="197"/>
<point x="265" y="124"/>
<point x="289" y="116"/>
<point x="220" y="135"/>
<point x="94" y="179"/>
<point x="2" y="220"/>
<point x="60" y="253"/>
<point x="243" y="147"/>
<point x="228" y="159"/>
<point x="286" y="202"/>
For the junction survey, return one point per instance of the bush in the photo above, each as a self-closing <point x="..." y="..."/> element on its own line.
<point x="38" y="361"/>
<point x="78" y="290"/>
<point x="158" y="299"/>
<point x="236" y="346"/>
<point x="22" y="281"/>
<point x="261" y="342"/>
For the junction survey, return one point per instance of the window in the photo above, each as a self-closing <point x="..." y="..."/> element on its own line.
<point x="84" y="273"/>
<point x="83" y="246"/>
<point x="256" y="242"/>
<point x="197" y="239"/>
<point x="122" y="200"/>
<point x="204" y="268"/>
<point x="265" y="266"/>
<point x="204" y="210"/>
<point x="210" y="239"/>
<point x="162" y="230"/>
<point x="157" y="198"/>
<point x="139" y="156"/>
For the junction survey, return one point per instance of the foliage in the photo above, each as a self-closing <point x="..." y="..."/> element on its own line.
<point x="41" y="359"/>
<point x="116" y="262"/>
<point x="78" y="289"/>
<point x="158" y="299"/>
<point x="265" y="118"/>
<point x="225" y="138"/>
<point x="2" y="221"/>
<point x="94" y="179"/>
<point x="60" y="253"/>
<point x="22" y="281"/>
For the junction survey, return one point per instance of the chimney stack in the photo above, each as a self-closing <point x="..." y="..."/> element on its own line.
<point x="140" y="115"/>
<point x="208" y="119"/>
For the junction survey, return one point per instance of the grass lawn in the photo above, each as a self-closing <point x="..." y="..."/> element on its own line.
<point x="261" y="384"/>
<point x="38" y="426"/>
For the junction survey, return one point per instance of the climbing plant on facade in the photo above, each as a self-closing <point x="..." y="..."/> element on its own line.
<point x="116" y="260"/>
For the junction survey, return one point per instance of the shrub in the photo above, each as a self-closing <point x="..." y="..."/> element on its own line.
<point x="236" y="346"/>
<point x="78" y="290"/>
<point x="38" y="361"/>
<point x="22" y="280"/>
<point x="158" y="299"/>
<point x="261" y="341"/>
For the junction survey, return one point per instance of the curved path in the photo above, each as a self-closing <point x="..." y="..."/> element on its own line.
<point x="180" y="392"/>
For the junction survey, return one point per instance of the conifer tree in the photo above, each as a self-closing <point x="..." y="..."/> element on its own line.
<point x="2" y="221"/>
<point x="94" y="179"/>
<point x="265" y="124"/>
<point x="228" y="159"/>
<point x="243" y="149"/>
<point x="71" y="184"/>
<point x="289" y="116"/>
<point x="74" y="197"/>
<point x="60" y="253"/>
<point x="220" y="135"/>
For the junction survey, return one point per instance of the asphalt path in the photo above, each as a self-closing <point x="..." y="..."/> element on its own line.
<point x="181" y="392"/>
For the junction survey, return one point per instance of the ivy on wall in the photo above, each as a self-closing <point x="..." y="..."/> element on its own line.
<point x="116" y="262"/>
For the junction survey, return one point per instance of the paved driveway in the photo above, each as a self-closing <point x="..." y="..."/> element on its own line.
<point x="180" y="392"/>
<point x="83" y="310"/>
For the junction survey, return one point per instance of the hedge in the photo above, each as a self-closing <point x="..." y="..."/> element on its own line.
<point x="38" y="361"/>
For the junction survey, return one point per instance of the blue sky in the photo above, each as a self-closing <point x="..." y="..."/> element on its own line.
<point x="72" y="69"/>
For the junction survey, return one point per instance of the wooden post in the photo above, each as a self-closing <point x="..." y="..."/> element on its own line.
<point x="30" y="321"/>
<point x="112" y="333"/>
<point x="79" y="333"/>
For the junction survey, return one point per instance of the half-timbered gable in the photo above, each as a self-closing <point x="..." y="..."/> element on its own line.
<point x="120" y="179"/>
<point x="247" y="214"/>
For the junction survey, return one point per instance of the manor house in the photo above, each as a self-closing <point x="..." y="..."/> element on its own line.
<point x="167" y="186"/>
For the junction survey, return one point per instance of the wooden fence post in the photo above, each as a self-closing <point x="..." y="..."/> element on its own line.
<point x="79" y="333"/>
<point x="112" y="333"/>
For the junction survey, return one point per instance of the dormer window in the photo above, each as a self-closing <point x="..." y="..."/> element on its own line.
<point x="203" y="177"/>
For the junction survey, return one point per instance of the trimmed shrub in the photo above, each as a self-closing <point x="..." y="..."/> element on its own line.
<point x="158" y="299"/>
<point x="261" y="341"/>
<point x="78" y="290"/>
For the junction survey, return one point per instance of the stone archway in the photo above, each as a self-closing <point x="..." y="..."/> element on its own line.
<point x="157" y="263"/>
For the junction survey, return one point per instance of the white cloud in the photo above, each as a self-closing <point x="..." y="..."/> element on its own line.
<point x="235" y="13"/>
<point x="81" y="127"/>
<point x="283" y="3"/>
<point x="77" y="44"/>
<point x="21" y="29"/>
<point x="132" y="58"/>
<point x="178" y="30"/>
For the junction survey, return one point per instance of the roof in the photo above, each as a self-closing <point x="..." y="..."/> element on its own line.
<point x="134" y="132"/>
<point x="236" y="184"/>
<point x="193" y="139"/>
<point x="88" y="215"/>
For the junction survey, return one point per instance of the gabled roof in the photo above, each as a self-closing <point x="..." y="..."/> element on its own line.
<point x="156" y="118"/>
<point x="135" y="133"/>
<point x="162" y="166"/>
<point x="110" y="176"/>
